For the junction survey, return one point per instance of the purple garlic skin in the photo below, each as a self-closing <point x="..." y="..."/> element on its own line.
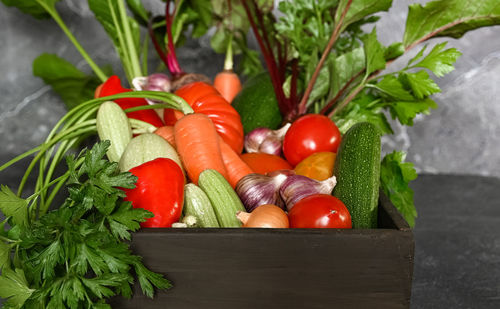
<point x="297" y="187"/>
<point x="255" y="137"/>
<point x="158" y="82"/>
<point x="266" y="140"/>
<point x="255" y="190"/>
<point x="153" y="82"/>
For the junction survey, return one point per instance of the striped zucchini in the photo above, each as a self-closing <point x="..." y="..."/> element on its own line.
<point x="113" y="125"/>
<point x="197" y="204"/>
<point x="224" y="199"/>
<point x="147" y="147"/>
<point x="357" y="168"/>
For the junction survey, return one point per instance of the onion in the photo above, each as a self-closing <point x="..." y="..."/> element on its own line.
<point x="264" y="216"/>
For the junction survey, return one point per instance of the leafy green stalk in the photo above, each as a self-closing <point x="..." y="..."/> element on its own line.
<point x="76" y="124"/>
<point x="49" y="7"/>
<point x="335" y="34"/>
<point x="130" y="45"/>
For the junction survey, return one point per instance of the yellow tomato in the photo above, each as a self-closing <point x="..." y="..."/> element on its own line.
<point x="317" y="166"/>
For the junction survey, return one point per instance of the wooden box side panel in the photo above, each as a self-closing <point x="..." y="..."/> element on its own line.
<point x="278" y="269"/>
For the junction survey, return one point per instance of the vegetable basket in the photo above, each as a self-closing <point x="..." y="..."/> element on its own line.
<point x="281" y="268"/>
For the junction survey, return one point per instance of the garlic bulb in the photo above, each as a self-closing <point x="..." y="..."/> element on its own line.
<point x="296" y="187"/>
<point x="255" y="190"/>
<point x="266" y="140"/>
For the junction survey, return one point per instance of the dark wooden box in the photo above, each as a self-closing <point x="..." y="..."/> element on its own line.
<point x="280" y="268"/>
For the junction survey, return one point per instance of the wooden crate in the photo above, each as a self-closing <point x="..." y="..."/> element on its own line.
<point x="280" y="268"/>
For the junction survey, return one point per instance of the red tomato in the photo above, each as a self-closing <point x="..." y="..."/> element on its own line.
<point x="310" y="134"/>
<point x="263" y="163"/>
<point x="320" y="211"/>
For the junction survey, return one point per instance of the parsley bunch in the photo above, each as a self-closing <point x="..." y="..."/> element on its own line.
<point x="74" y="256"/>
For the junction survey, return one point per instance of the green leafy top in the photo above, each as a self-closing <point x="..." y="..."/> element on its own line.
<point x="395" y="175"/>
<point x="74" y="256"/>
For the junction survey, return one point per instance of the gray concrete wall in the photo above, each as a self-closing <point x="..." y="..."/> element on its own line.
<point x="461" y="137"/>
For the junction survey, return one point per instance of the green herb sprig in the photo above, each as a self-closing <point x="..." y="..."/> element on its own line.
<point x="75" y="256"/>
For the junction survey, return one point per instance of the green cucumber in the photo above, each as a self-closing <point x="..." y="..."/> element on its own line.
<point x="224" y="199"/>
<point x="357" y="168"/>
<point x="197" y="204"/>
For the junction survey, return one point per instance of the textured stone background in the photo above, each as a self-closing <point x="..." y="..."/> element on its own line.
<point x="461" y="137"/>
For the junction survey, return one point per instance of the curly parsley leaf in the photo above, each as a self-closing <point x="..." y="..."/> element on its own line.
<point x="395" y="176"/>
<point x="391" y="86"/>
<point x="448" y="18"/>
<point x="420" y="83"/>
<point x="14" y="287"/>
<point x="374" y="53"/>
<point x="405" y="111"/>
<point x="4" y="254"/>
<point x="74" y="256"/>
<point x="148" y="279"/>
<point x="13" y="206"/>
<point x="126" y="218"/>
<point x="366" y="108"/>
<point x="439" y="61"/>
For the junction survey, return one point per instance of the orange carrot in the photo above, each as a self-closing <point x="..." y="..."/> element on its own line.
<point x="198" y="145"/>
<point x="227" y="82"/>
<point x="235" y="166"/>
<point x="170" y="116"/>
<point x="167" y="132"/>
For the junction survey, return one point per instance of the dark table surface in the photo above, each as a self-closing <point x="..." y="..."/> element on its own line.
<point x="457" y="241"/>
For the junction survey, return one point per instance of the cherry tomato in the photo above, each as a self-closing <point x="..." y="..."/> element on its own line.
<point x="310" y="134"/>
<point x="320" y="211"/>
<point x="317" y="166"/>
<point x="263" y="163"/>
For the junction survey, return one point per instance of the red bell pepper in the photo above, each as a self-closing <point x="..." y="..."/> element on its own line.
<point x="159" y="189"/>
<point x="113" y="86"/>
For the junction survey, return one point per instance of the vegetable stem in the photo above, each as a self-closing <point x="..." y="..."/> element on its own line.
<point x="20" y="157"/>
<point x="335" y="34"/>
<point x="228" y="62"/>
<point x="285" y="106"/>
<point x="134" y="58"/>
<point x="124" y="54"/>
<point x="330" y="104"/>
<point x="172" y="62"/>
<point x="156" y="45"/>
<point x="57" y="18"/>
